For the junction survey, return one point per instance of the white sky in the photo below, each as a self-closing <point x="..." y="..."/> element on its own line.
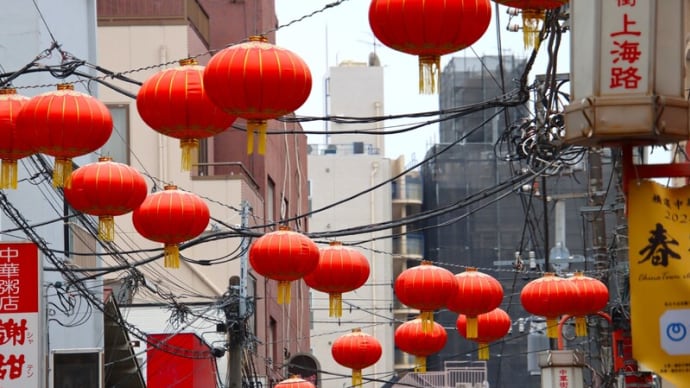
<point x="343" y="33"/>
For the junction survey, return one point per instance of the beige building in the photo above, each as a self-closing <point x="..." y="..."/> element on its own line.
<point x="347" y="165"/>
<point x="143" y="37"/>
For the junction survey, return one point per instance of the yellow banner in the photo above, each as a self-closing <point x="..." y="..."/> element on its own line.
<point x="659" y="241"/>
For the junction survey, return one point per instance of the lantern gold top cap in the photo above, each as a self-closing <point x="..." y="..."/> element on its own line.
<point x="188" y="62"/>
<point x="471" y="269"/>
<point x="65" y="87"/>
<point x="8" y="91"/>
<point x="170" y="187"/>
<point x="427" y="262"/>
<point x="284" y="228"/>
<point x="357" y="330"/>
<point x="105" y="159"/>
<point x="258" y="38"/>
<point x="335" y="243"/>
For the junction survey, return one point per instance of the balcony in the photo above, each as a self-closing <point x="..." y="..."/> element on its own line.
<point x="407" y="191"/>
<point x="153" y="13"/>
<point x="410" y="245"/>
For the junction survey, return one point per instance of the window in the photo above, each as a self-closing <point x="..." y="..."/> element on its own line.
<point x="117" y="147"/>
<point x="270" y="201"/>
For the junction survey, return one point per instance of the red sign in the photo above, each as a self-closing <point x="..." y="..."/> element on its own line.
<point x="19" y="315"/>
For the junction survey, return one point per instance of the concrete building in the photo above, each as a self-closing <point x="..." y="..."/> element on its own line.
<point x="67" y="323"/>
<point x="467" y="162"/>
<point x="350" y="164"/>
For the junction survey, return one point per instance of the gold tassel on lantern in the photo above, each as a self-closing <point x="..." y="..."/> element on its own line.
<point x="62" y="172"/>
<point x="427" y="321"/>
<point x="172" y="256"/>
<point x="190" y="148"/>
<point x="9" y="174"/>
<point x="580" y="326"/>
<point x="429" y="73"/>
<point x="284" y="292"/>
<point x="420" y="364"/>
<point x="483" y="351"/>
<point x="532" y="19"/>
<point x="335" y="305"/>
<point x="257" y="127"/>
<point x="106" y="228"/>
<point x="471" y="329"/>
<point x="357" y="378"/>
<point x="552" y="327"/>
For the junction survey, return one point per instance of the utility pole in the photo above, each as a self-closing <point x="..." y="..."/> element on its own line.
<point x="236" y="310"/>
<point x="597" y="219"/>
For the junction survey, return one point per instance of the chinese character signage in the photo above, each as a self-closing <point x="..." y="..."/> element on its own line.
<point x="627" y="72"/>
<point x="659" y="243"/>
<point x="625" y="47"/>
<point x="20" y="318"/>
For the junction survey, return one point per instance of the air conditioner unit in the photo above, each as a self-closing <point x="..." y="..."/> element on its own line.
<point x="464" y="385"/>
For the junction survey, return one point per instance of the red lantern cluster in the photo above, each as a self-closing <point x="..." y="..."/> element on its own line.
<point x="356" y="350"/>
<point x="425" y="287"/>
<point x="410" y="337"/>
<point x="532" y="16"/>
<point x="295" y="382"/>
<point x="429" y="29"/>
<point x="65" y="124"/>
<point x="175" y="103"/>
<point x="257" y="81"/>
<point x="549" y="296"/>
<point x="285" y="256"/>
<point x="106" y="189"/>
<point x="491" y="326"/>
<point x="478" y="293"/>
<point x="14" y="144"/>
<point x="340" y="269"/>
<point x="171" y="217"/>
<point x="592" y="296"/>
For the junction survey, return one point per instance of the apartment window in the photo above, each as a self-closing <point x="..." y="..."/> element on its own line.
<point x="117" y="147"/>
<point x="272" y="337"/>
<point x="270" y="201"/>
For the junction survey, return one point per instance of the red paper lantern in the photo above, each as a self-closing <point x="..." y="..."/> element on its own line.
<point x="491" y="326"/>
<point x="14" y="144"/>
<point x="592" y="296"/>
<point x="411" y="338"/>
<point x="478" y="293"/>
<point x="174" y="103"/>
<point x="295" y="382"/>
<point x="533" y="12"/>
<point x="425" y="287"/>
<point x="65" y="124"/>
<point x="429" y="29"/>
<point x="340" y="269"/>
<point x="356" y="350"/>
<point x="106" y="189"/>
<point x="257" y="81"/>
<point x="549" y="296"/>
<point x="171" y="217"/>
<point x="285" y="256"/>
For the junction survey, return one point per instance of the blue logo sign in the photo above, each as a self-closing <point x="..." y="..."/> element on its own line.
<point x="676" y="331"/>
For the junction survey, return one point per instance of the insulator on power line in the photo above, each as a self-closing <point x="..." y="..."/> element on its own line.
<point x="512" y="11"/>
<point x="513" y="27"/>
<point x="532" y="260"/>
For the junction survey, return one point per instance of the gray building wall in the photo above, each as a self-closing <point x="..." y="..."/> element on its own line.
<point x="22" y="38"/>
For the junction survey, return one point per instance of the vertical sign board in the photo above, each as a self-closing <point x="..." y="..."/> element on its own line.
<point x="625" y="47"/>
<point x="659" y="243"/>
<point x="20" y="316"/>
